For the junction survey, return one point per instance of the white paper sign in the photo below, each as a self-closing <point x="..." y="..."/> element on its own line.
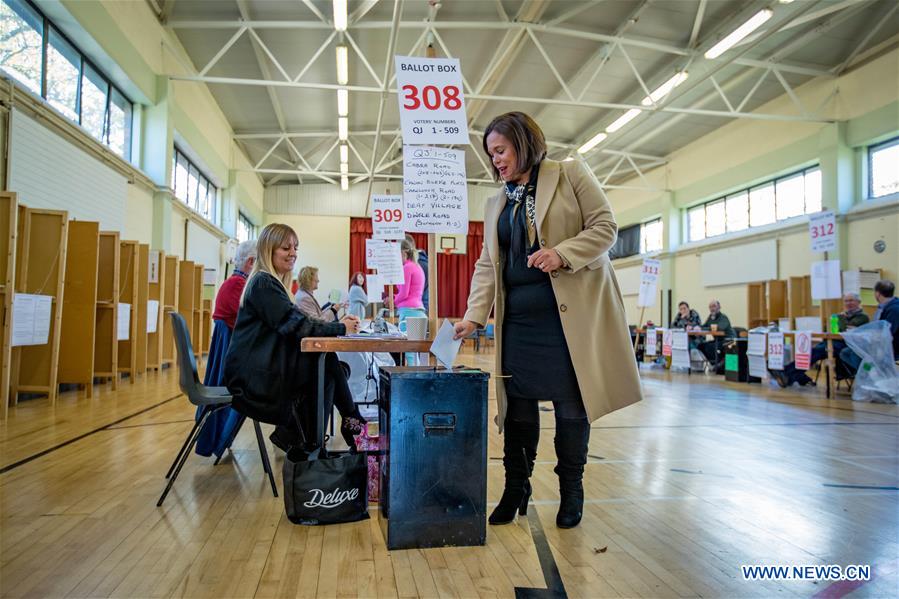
<point x="435" y="193"/>
<point x="680" y="358"/>
<point x="808" y="323"/>
<point x="387" y="217"/>
<point x="123" y="328"/>
<point x="852" y="282"/>
<point x="757" y="366"/>
<point x="666" y="342"/>
<point x="826" y="280"/>
<point x="822" y="230"/>
<point x="153" y="269"/>
<point x="783" y="324"/>
<point x="756" y="345"/>
<point x="209" y="276"/>
<point x="444" y="347"/>
<point x="31" y="319"/>
<point x="803" y="350"/>
<point x="152" y="315"/>
<point x="432" y="105"/>
<point x="375" y="287"/>
<point x="649" y="346"/>
<point x="776" y="351"/>
<point x="679" y="340"/>
<point x="386" y="258"/>
<point x="649" y="277"/>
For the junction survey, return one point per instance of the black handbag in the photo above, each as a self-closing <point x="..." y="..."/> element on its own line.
<point x="322" y="487"/>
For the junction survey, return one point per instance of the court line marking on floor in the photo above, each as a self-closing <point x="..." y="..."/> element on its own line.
<point x="865" y="487"/>
<point x="44" y="452"/>
<point x="118" y="428"/>
<point x="555" y="588"/>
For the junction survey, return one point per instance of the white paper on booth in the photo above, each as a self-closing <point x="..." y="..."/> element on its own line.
<point x="680" y="358"/>
<point x="387" y="217"/>
<point x="209" y="276"/>
<point x="776" y="351"/>
<point x="826" y="279"/>
<point x="649" y="346"/>
<point x="375" y="288"/>
<point x="852" y="282"/>
<point x="679" y="340"/>
<point x="808" y="323"/>
<point x="387" y="259"/>
<point x="431" y="101"/>
<point x="23" y="319"/>
<point x="435" y="192"/>
<point x="153" y="268"/>
<point x="43" y="307"/>
<point x="123" y="328"/>
<point x="756" y="345"/>
<point x="757" y="366"/>
<point x="152" y="315"/>
<point x="444" y="346"/>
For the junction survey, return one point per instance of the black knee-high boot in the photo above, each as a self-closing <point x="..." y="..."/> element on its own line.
<point x="519" y="452"/>
<point x="572" y="436"/>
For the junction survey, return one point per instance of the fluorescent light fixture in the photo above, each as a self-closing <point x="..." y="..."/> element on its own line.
<point x="343" y="102"/>
<point x="344" y="168"/>
<point x="343" y="69"/>
<point x="737" y="35"/>
<point x="343" y="128"/>
<point x="623" y="120"/>
<point x="344" y="154"/>
<point x="344" y="182"/>
<point x="569" y="159"/>
<point x="591" y="143"/>
<point x="785" y="1"/>
<point x="340" y="15"/>
<point x="665" y="89"/>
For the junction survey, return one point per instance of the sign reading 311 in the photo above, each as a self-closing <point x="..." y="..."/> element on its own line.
<point x="432" y="106"/>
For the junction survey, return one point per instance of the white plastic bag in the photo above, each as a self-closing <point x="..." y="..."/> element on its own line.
<point x="877" y="379"/>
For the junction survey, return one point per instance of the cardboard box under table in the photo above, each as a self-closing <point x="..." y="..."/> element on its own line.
<point x="433" y="438"/>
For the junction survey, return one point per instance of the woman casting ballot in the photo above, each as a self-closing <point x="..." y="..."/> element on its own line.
<point x="270" y="378"/>
<point x="560" y="323"/>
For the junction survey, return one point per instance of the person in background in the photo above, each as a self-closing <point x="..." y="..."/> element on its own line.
<point x="223" y="425"/>
<point x="305" y="298"/>
<point x="408" y="297"/>
<point x="686" y="317"/>
<point x="562" y="330"/>
<point x="357" y="297"/>
<point x="719" y="322"/>
<point x="888" y="310"/>
<point x="423" y="263"/>
<point x="270" y="379"/>
<point x="851" y="317"/>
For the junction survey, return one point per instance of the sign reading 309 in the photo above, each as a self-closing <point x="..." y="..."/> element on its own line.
<point x="431" y="100"/>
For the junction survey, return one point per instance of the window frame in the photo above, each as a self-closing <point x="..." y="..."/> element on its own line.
<point x="873" y="149"/>
<point x="802" y="173"/>
<point x="194" y="202"/>
<point x="243" y="220"/>
<point x="643" y="238"/>
<point x="47" y="26"/>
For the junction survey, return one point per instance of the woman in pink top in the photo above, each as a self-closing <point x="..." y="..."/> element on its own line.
<point x="408" y="297"/>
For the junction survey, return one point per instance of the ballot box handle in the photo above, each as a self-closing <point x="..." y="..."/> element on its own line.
<point x="439" y="421"/>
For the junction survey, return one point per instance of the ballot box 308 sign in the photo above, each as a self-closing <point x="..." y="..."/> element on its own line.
<point x="432" y="108"/>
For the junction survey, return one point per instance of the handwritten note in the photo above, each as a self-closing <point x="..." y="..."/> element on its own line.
<point x="435" y="194"/>
<point x="385" y="257"/>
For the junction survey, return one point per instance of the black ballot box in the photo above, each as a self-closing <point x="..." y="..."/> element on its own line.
<point x="433" y="458"/>
<point x="736" y="364"/>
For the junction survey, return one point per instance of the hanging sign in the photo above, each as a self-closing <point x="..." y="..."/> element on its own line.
<point x="822" y="231"/>
<point x="432" y="106"/>
<point x="385" y="257"/>
<point x="435" y="193"/>
<point x="387" y="217"/>
<point x="649" y="278"/>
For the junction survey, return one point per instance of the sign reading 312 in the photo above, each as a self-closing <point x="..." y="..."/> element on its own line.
<point x="432" y="106"/>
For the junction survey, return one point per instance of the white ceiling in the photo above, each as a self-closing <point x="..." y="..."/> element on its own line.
<point x="803" y="39"/>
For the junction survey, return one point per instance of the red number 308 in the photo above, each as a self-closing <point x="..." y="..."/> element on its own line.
<point x="432" y="98"/>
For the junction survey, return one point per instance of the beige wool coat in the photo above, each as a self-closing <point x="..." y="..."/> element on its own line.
<point x="574" y="217"/>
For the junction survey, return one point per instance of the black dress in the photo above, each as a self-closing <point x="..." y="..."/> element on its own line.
<point x="535" y="353"/>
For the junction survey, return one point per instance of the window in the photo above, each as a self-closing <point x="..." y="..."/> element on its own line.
<point x="651" y="236"/>
<point x="883" y="168"/>
<point x="246" y="230"/>
<point x="780" y="199"/>
<point x="193" y="187"/>
<point x="60" y="73"/>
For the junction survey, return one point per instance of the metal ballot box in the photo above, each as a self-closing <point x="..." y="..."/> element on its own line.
<point x="433" y="442"/>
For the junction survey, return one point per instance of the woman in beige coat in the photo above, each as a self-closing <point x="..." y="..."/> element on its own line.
<point x="560" y="322"/>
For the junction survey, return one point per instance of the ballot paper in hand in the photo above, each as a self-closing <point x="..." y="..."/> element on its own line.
<point x="444" y="347"/>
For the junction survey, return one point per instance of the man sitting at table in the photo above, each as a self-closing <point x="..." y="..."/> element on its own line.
<point x="852" y="316"/>
<point x="888" y="310"/>
<point x="716" y="321"/>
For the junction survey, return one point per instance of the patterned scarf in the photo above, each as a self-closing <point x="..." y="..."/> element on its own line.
<point x="515" y="193"/>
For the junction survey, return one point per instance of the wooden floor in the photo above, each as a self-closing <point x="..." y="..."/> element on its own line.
<point x="701" y="478"/>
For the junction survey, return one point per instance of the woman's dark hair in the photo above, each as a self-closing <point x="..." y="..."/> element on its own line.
<point x="353" y="279"/>
<point x="683" y="304"/>
<point x="524" y="134"/>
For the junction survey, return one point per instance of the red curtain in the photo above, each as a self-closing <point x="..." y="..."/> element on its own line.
<point x="453" y="271"/>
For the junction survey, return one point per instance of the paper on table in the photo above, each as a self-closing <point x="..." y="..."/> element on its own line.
<point x="808" y="323"/>
<point x="123" y="328"/>
<point x="680" y="358"/>
<point x="444" y="347"/>
<point x="650" y="343"/>
<point x="756" y="344"/>
<point x="679" y="341"/>
<point x="152" y="315"/>
<point x="758" y="366"/>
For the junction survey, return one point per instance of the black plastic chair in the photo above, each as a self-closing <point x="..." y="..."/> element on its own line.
<point x="209" y="399"/>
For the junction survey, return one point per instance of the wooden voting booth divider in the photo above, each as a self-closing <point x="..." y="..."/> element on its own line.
<point x="207" y="325"/>
<point x="186" y="298"/>
<point x="156" y="291"/>
<point x="8" y="220"/>
<point x="128" y="294"/>
<point x="756" y="309"/>
<point x="106" y="346"/>
<point x="139" y="341"/>
<point x="169" y="304"/>
<point x="40" y="267"/>
<point x="79" y="306"/>
<point x="196" y="336"/>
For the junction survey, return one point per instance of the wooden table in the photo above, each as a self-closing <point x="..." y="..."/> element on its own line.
<point x="828" y="338"/>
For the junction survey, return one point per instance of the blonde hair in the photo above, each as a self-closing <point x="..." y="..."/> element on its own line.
<point x="307" y="277"/>
<point x="271" y="238"/>
<point x="407" y="246"/>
